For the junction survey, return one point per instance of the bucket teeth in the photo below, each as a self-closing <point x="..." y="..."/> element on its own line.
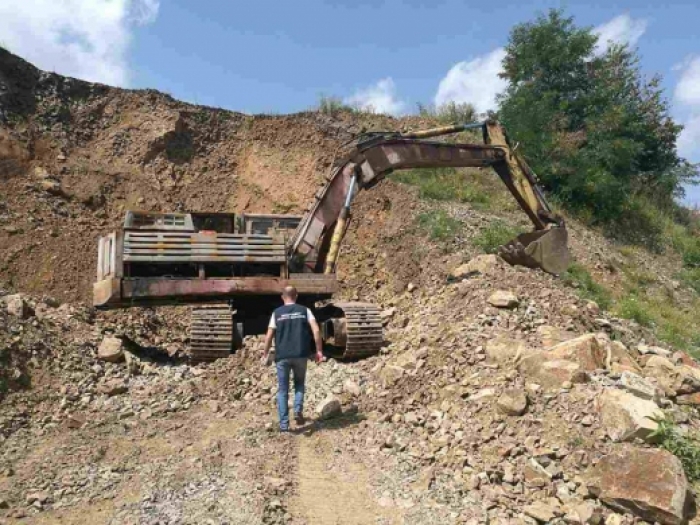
<point x="211" y="333"/>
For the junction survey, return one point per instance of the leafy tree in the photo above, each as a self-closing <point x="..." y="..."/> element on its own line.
<point x="596" y="131"/>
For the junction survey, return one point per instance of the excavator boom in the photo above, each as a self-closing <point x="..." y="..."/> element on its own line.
<point x="317" y="240"/>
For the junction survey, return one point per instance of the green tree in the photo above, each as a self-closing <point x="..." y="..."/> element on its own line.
<point x="597" y="132"/>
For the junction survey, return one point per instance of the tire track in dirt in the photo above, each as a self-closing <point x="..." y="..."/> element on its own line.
<point x="333" y="490"/>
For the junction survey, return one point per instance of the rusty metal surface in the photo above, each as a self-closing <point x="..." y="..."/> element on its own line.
<point x="364" y="334"/>
<point x="211" y="333"/>
<point x="115" y="293"/>
<point x="201" y="247"/>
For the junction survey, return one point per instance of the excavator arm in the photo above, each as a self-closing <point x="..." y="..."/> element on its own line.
<point x="317" y="240"/>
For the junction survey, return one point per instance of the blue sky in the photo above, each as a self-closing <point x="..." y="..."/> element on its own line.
<point x="279" y="57"/>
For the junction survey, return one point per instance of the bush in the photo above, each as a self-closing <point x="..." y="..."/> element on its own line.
<point x="494" y="236"/>
<point x="691" y="278"/>
<point x="631" y="307"/>
<point x="439" y="225"/>
<point x="449" y="113"/>
<point x="333" y="105"/>
<point x="578" y="277"/>
<point x="686" y="447"/>
<point x="445" y="184"/>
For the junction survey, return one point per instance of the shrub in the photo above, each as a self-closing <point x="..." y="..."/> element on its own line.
<point x="445" y="184"/>
<point x="578" y="277"/>
<point x="631" y="307"/>
<point x="439" y="225"/>
<point x="686" y="447"/>
<point x="691" y="278"/>
<point x="449" y="113"/>
<point x="494" y="236"/>
<point x="332" y="105"/>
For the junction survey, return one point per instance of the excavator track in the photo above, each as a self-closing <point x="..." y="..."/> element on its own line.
<point x="211" y="333"/>
<point x="363" y="329"/>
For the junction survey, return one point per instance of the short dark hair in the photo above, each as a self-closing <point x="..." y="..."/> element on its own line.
<point x="289" y="292"/>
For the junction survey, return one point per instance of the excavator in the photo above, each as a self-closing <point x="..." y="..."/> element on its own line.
<point x="232" y="267"/>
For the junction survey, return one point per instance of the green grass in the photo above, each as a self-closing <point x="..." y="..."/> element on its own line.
<point x="685" y="446"/>
<point x="333" y="106"/>
<point x="450" y="113"/>
<point x="445" y="184"/>
<point x="691" y="278"/>
<point x="578" y="277"/>
<point x="496" y="234"/>
<point x="439" y="225"/>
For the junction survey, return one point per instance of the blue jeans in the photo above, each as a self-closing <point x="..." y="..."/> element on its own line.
<point x="284" y="367"/>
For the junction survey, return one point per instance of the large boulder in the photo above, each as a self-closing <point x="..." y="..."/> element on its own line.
<point x="590" y="351"/>
<point x="17" y="306"/>
<point x="637" y="385"/>
<point x="479" y="265"/>
<point x="552" y="373"/>
<point x="503" y="299"/>
<point x="513" y="402"/>
<point x="328" y="408"/>
<point x="673" y="380"/>
<point x="552" y="335"/>
<point x="626" y="416"/>
<point x="649" y="483"/>
<point x="111" y="349"/>
<point x="504" y="350"/>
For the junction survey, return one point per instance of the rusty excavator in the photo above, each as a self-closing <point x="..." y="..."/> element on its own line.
<point x="244" y="261"/>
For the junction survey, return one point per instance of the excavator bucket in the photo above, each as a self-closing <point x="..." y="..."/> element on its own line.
<point x="545" y="249"/>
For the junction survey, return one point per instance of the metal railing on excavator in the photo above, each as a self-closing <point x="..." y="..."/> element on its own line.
<point x="317" y="241"/>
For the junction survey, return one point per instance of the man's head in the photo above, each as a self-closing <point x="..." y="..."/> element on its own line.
<point x="289" y="295"/>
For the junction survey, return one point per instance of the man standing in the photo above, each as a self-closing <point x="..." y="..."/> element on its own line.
<point x="292" y="326"/>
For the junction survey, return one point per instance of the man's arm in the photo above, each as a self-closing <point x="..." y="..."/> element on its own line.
<point x="317" y="339"/>
<point x="268" y="342"/>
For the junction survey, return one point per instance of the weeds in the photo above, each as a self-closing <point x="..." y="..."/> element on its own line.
<point x="333" y="105"/>
<point x="495" y="235"/>
<point x="439" y="225"/>
<point x="691" y="278"/>
<point x="578" y="277"/>
<point x="450" y="113"/>
<point x="631" y="307"/>
<point x="685" y="447"/>
<point x="445" y="184"/>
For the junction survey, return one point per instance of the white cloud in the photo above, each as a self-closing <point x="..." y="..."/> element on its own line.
<point x="686" y="97"/>
<point x="379" y="98"/>
<point x="622" y="29"/>
<point x="476" y="82"/>
<point x="688" y="88"/>
<point x="87" y="39"/>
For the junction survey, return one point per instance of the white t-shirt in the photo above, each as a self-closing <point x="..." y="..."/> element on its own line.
<point x="309" y="317"/>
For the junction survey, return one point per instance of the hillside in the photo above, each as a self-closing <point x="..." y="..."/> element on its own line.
<point x="476" y="411"/>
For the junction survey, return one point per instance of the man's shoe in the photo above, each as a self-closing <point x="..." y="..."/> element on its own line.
<point x="299" y="419"/>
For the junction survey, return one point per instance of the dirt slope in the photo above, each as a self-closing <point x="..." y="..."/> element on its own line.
<point x="476" y="411"/>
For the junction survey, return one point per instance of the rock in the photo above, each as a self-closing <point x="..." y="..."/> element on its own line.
<point x="352" y="388"/>
<point x="17" y="306"/>
<point x="637" y="385"/>
<point x="113" y="388"/>
<point x="513" y="402"/>
<point x="40" y="497"/>
<point x="4" y="504"/>
<point x="484" y="393"/>
<point x="50" y="186"/>
<point x="75" y="421"/>
<point x="479" y="265"/>
<point x="387" y="314"/>
<point x="552" y="374"/>
<point x="664" y="371"/>
<point x="619" y="359"/>
<point x="649" y="483"/>
<point x="111" y="349"/>
<point x="656" y="350"/>
<point x="552" y="336"/>
<point x="390" y="374"/>
<point x="588" y="351"/>
<point x="689" y="399"/>
<point x="40" y="173"/>
<point x="626" y="416"/>
<point x="410" y="287"/>
<point x="503" y="299"/>
<point x="506" y="350"/>
<point x="328" y="408"/>
<point x="586" y="513"/>
<point x="541" y="511"/>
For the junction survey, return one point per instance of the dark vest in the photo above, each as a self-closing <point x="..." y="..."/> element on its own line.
<point x="293" y="333"/>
